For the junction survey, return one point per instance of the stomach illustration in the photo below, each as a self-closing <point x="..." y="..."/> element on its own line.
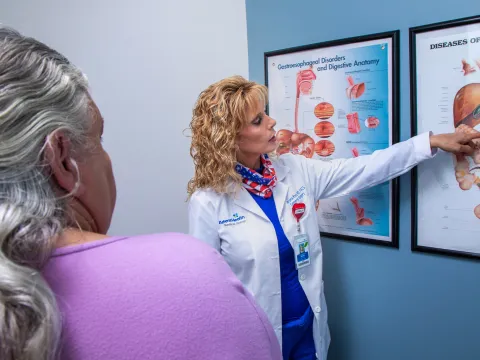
<point x="295" y="143"/>
<point x="466" y="116"/>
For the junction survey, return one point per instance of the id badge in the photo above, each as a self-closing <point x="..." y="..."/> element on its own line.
<point x="302" y="251"/>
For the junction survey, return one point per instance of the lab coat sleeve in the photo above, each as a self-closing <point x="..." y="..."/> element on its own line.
<point x="202" y="220"/>
<point x="343" y="176"/>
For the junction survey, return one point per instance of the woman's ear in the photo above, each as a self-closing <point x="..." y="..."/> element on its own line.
<point x="57" y="154"/>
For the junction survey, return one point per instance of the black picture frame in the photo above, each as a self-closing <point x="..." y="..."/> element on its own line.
<point x="413" y="32"/>
<point x="394" y="37"/>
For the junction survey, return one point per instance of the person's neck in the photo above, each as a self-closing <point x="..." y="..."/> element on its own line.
<point x="251" y="161"/>
<point x="75" y="236"/>
<point x="81" y="227"/>
<point x="80" y="217"/>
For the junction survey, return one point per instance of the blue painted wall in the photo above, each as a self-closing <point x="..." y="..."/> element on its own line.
<point x="383" y="304"/>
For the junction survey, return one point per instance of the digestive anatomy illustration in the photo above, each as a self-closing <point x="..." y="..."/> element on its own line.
<point x="324" y="129"/>
<point x="355" y="152"/>
<point x="476" y="211"/>
<point x="466" y="116"/>
<point x="353" y="123"/>
<point x="354" y="91"/>
<point x="324" y="148"/>
<point x="372" y="122"/>
<point x="296" y="142"/>
<point x="360" y="213"/>
<point x="304" y="87"/>
<point x="324" y="110"/>
<point x="467" y="68"/>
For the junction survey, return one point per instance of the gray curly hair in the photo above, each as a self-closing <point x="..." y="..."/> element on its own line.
<point x="41" y="92"/>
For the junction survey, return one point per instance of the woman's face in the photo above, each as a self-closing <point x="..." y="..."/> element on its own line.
<point x="256" y="138"/>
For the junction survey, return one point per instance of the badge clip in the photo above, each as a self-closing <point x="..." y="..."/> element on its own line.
<point x="298" y="210"/>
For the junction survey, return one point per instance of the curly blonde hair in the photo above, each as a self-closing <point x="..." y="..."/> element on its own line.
<point x="220" y="113"/>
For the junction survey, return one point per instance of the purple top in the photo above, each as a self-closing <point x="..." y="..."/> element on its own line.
<point x="165" y="296"/>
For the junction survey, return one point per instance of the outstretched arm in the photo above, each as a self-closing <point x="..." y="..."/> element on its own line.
<point x="343" y="176"/>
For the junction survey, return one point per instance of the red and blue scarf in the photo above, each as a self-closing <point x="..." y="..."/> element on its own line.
<point x="256" y="183"/>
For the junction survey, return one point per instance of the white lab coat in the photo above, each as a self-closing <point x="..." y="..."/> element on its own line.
<point x="237" y="227"/>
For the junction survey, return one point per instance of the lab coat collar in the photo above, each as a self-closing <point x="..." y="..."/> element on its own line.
<point x="280" y="191"/>
<point x="280" y="169"/>
<point x="245" y="200"/>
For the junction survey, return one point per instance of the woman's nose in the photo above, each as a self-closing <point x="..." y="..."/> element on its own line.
<point x="272" y="123"/>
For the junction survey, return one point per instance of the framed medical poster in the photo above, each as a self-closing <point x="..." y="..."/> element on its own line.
<point x="445" y="97"/>
<point x="339" y="99"/>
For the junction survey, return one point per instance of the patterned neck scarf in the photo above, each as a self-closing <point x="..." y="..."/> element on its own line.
<point x="259" y="184"/>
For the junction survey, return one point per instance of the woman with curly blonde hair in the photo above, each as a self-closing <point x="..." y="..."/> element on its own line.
<point x="259" y="211"/>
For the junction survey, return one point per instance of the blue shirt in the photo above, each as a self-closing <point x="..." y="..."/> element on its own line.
<point x="297" y="315"/>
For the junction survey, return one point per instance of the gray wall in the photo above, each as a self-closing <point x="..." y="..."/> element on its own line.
<point x="147" y="61"/>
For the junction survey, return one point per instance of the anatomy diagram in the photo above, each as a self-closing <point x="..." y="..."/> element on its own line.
<point x="324" y="148"/>
<point x="324" y="110"/>
<point x="466" y="116"/>
<point x="467" y="68"/>
<point x="353" y="123"/>
<point x="360" y="213"/>
<point x="296" y="142"/>
<point x="354" y="91"/>
<point x="355" y="152"/>
<point x="324" y="129"/>
<point x="372" y="122"/>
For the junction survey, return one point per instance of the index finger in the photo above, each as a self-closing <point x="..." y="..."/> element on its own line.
<point x="472" y="136"/>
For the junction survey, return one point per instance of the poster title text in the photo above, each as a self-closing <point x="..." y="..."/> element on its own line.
<point x="460" y="42"/>
<point x="330" y="63"/>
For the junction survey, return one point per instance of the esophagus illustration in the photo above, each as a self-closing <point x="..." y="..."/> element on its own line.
<point x="296" y="142"/>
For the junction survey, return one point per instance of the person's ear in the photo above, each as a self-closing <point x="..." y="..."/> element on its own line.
<point x="58" y="156"/>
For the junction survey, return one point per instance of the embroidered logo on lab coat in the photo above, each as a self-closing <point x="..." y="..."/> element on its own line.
<point x="298" y="196"/>
<point x="234" y="220"/>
